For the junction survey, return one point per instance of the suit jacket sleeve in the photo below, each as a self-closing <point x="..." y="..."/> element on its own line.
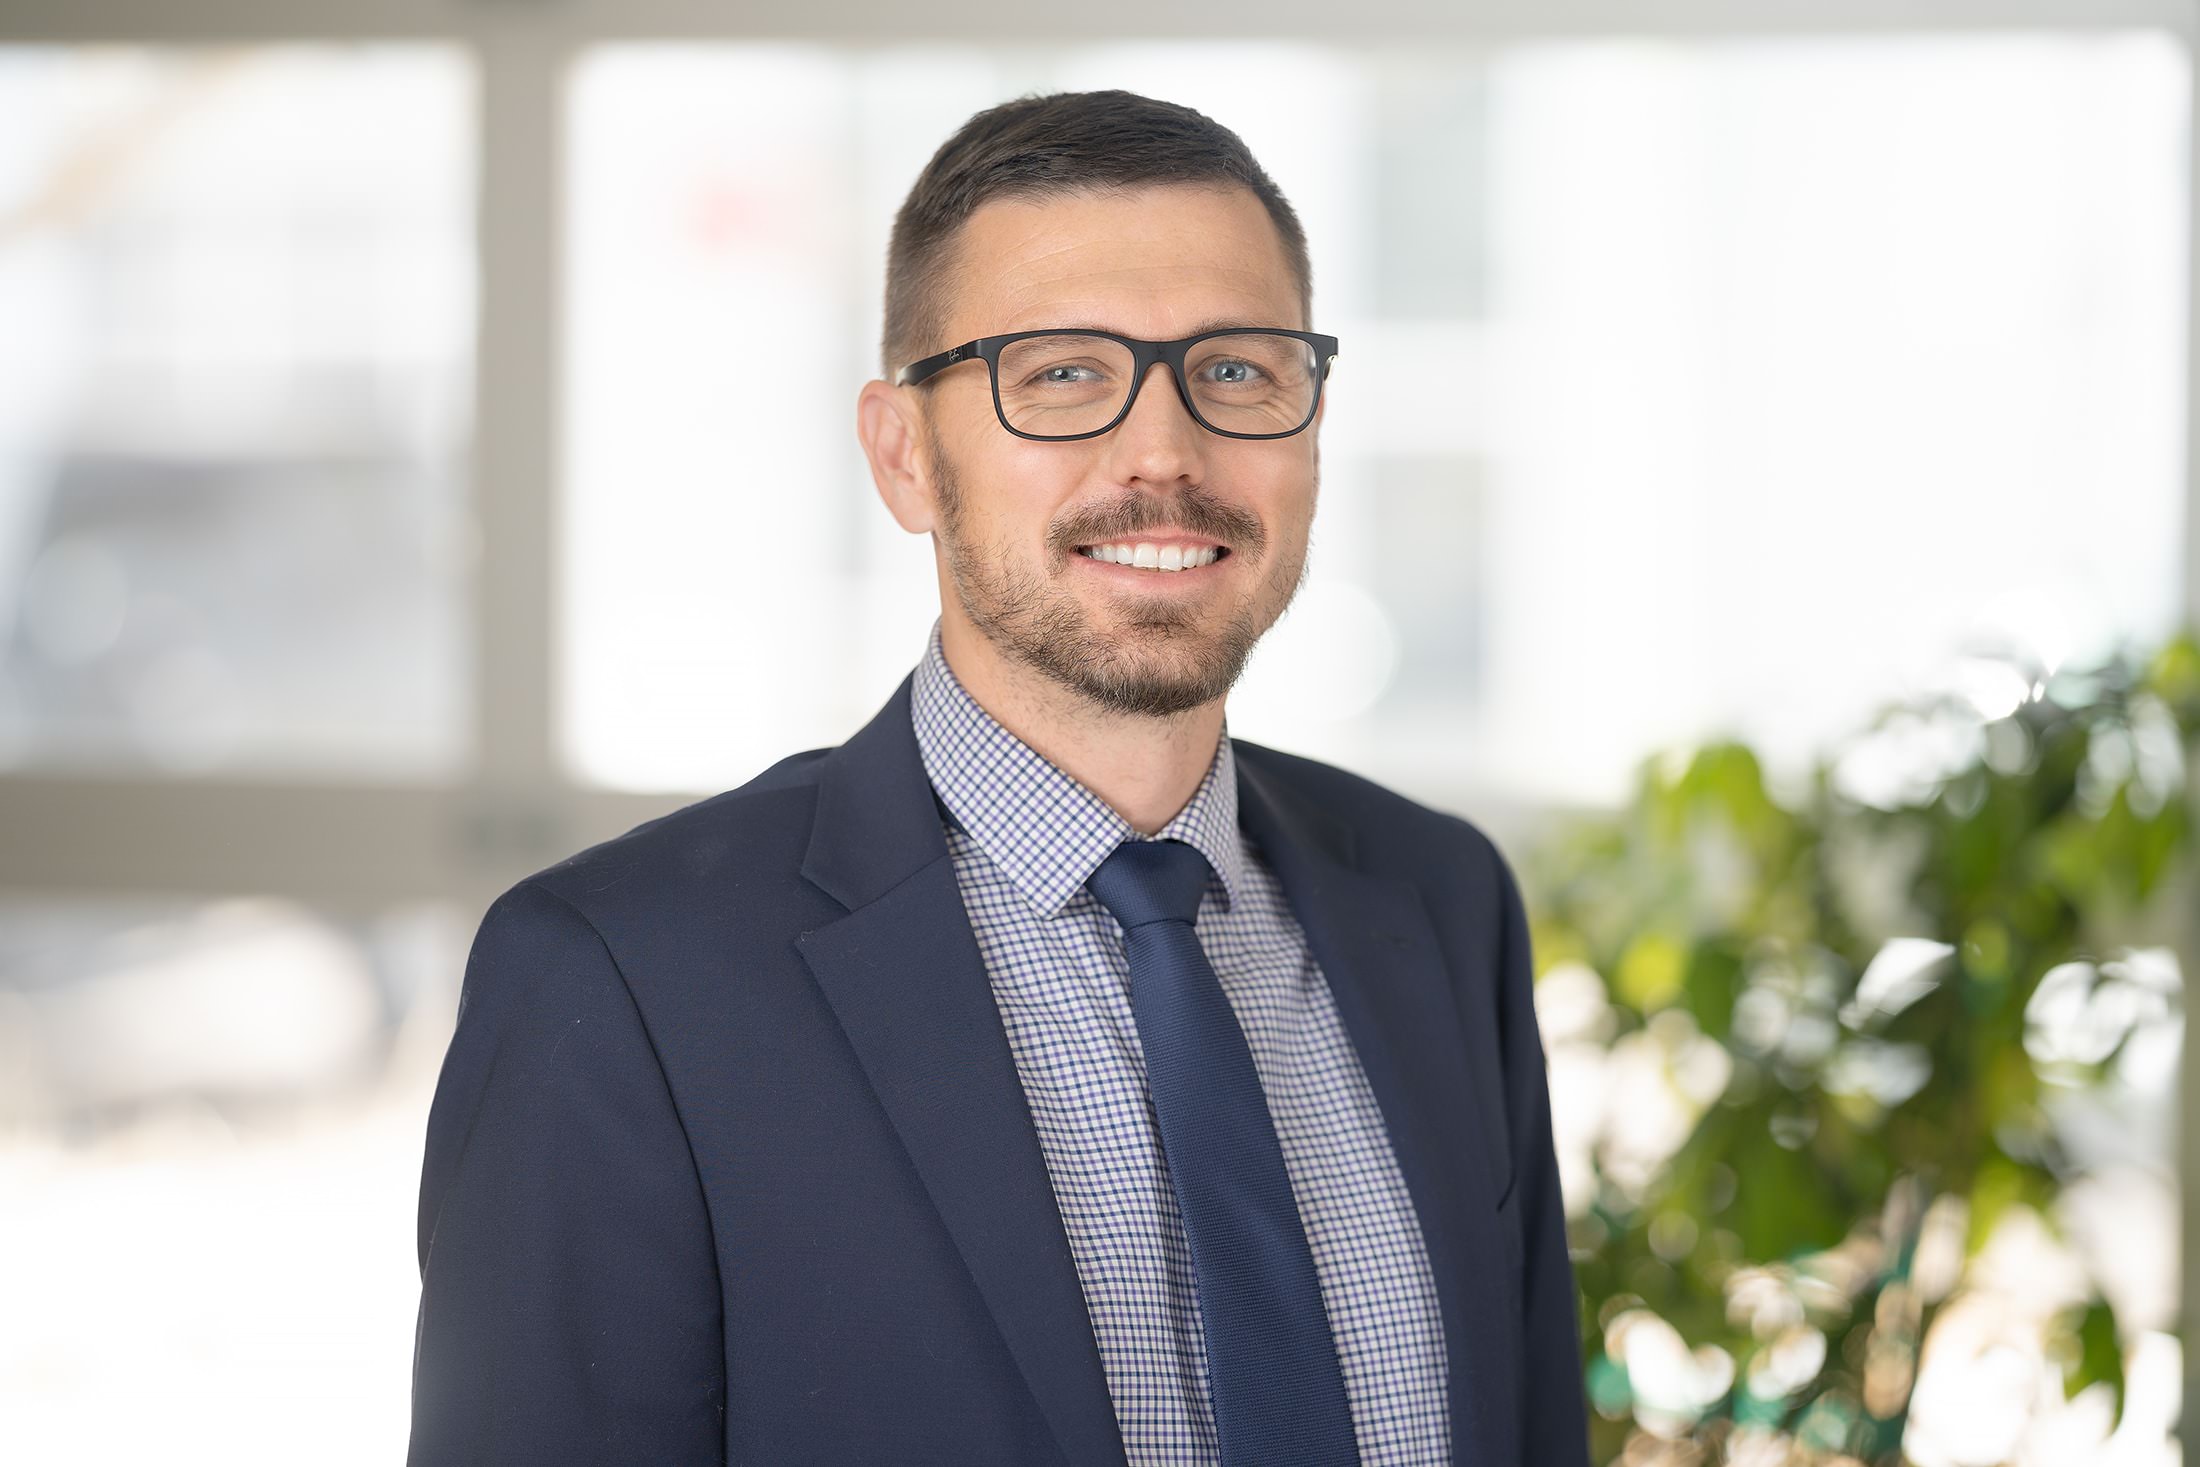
<point x="569" y="1303"/>
<point x="1555" y="1430"/>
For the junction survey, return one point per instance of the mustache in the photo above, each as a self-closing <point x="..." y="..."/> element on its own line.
<point x="1194" y="511"/>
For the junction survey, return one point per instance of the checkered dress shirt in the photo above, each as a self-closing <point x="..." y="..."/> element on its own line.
<point x="1024" y="835"/>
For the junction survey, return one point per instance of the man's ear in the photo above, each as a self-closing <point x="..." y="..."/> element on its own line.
<point x="891" y="428"/>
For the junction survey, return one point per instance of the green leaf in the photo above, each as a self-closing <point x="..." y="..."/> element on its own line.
<point x="1714" y="980"/>
<point x="2100" y="1355"/>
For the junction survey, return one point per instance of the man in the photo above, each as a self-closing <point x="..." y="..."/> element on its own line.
<point x="1041" y="1076"/>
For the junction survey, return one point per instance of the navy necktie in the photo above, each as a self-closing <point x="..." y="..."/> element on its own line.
<point x="1272" y="1366"/>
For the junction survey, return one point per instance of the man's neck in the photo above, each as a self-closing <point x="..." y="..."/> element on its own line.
<point x="1146" y="769"/>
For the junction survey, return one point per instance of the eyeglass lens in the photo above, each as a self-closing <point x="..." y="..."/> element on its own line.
<point x="1245" y="382"/>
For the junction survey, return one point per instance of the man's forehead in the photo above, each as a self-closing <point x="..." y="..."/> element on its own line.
<point x="1196" y="257"/>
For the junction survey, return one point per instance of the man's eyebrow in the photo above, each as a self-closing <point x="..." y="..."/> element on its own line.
<point x="1217" y="323"/>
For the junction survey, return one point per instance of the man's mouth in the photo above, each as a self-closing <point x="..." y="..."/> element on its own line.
<point x="1145" y="555"/>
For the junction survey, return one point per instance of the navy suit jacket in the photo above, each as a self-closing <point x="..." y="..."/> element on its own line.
<point x="729" y="1162"/>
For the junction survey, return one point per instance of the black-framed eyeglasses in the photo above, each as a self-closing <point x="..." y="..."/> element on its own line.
<point x="1239" y="381"/>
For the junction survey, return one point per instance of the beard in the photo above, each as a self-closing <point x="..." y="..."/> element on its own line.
<point x="1161" y="658"/>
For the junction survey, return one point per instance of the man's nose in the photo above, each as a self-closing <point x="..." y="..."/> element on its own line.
<point x="1159" y="439"/>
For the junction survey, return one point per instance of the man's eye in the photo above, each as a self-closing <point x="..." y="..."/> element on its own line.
<point x="1065" y="373"/>
<point x="1234" y="373"/>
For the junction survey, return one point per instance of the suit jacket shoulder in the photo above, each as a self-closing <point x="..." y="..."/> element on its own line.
<point x="710" y="840"/>
<point x="1390" y="831"/>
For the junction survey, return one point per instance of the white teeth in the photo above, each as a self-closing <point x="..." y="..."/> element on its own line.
<point x="1147" y="556"/>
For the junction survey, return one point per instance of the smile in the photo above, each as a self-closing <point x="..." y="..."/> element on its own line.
<point x="1145" y="555"/>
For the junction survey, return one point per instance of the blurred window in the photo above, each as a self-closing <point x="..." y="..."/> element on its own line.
<point x="234" y="408"/>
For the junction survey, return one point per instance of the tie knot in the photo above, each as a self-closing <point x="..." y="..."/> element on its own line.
<point x="1145" y="881"/>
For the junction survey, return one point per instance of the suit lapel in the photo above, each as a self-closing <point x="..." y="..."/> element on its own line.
<point x="1378" y="950"/>
<point x="904" y="976"/>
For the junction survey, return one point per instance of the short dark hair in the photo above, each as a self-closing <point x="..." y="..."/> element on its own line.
<point x="1049" y="146"/>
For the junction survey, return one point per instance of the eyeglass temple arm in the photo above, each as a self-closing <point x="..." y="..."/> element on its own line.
<point x="916" y="372"/>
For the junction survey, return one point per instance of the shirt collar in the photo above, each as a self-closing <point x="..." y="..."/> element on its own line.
<point x="1046" y="831"/>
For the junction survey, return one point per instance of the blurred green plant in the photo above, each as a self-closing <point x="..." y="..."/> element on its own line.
<point x="1809" y="1058"/>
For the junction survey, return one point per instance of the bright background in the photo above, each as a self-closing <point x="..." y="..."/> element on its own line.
<point x="422" y="457"/>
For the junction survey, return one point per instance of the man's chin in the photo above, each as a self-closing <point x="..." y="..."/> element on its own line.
<point x="1148" y="680"/>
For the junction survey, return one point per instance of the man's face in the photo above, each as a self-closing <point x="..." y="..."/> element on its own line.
<point x="1015" y="517"/>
